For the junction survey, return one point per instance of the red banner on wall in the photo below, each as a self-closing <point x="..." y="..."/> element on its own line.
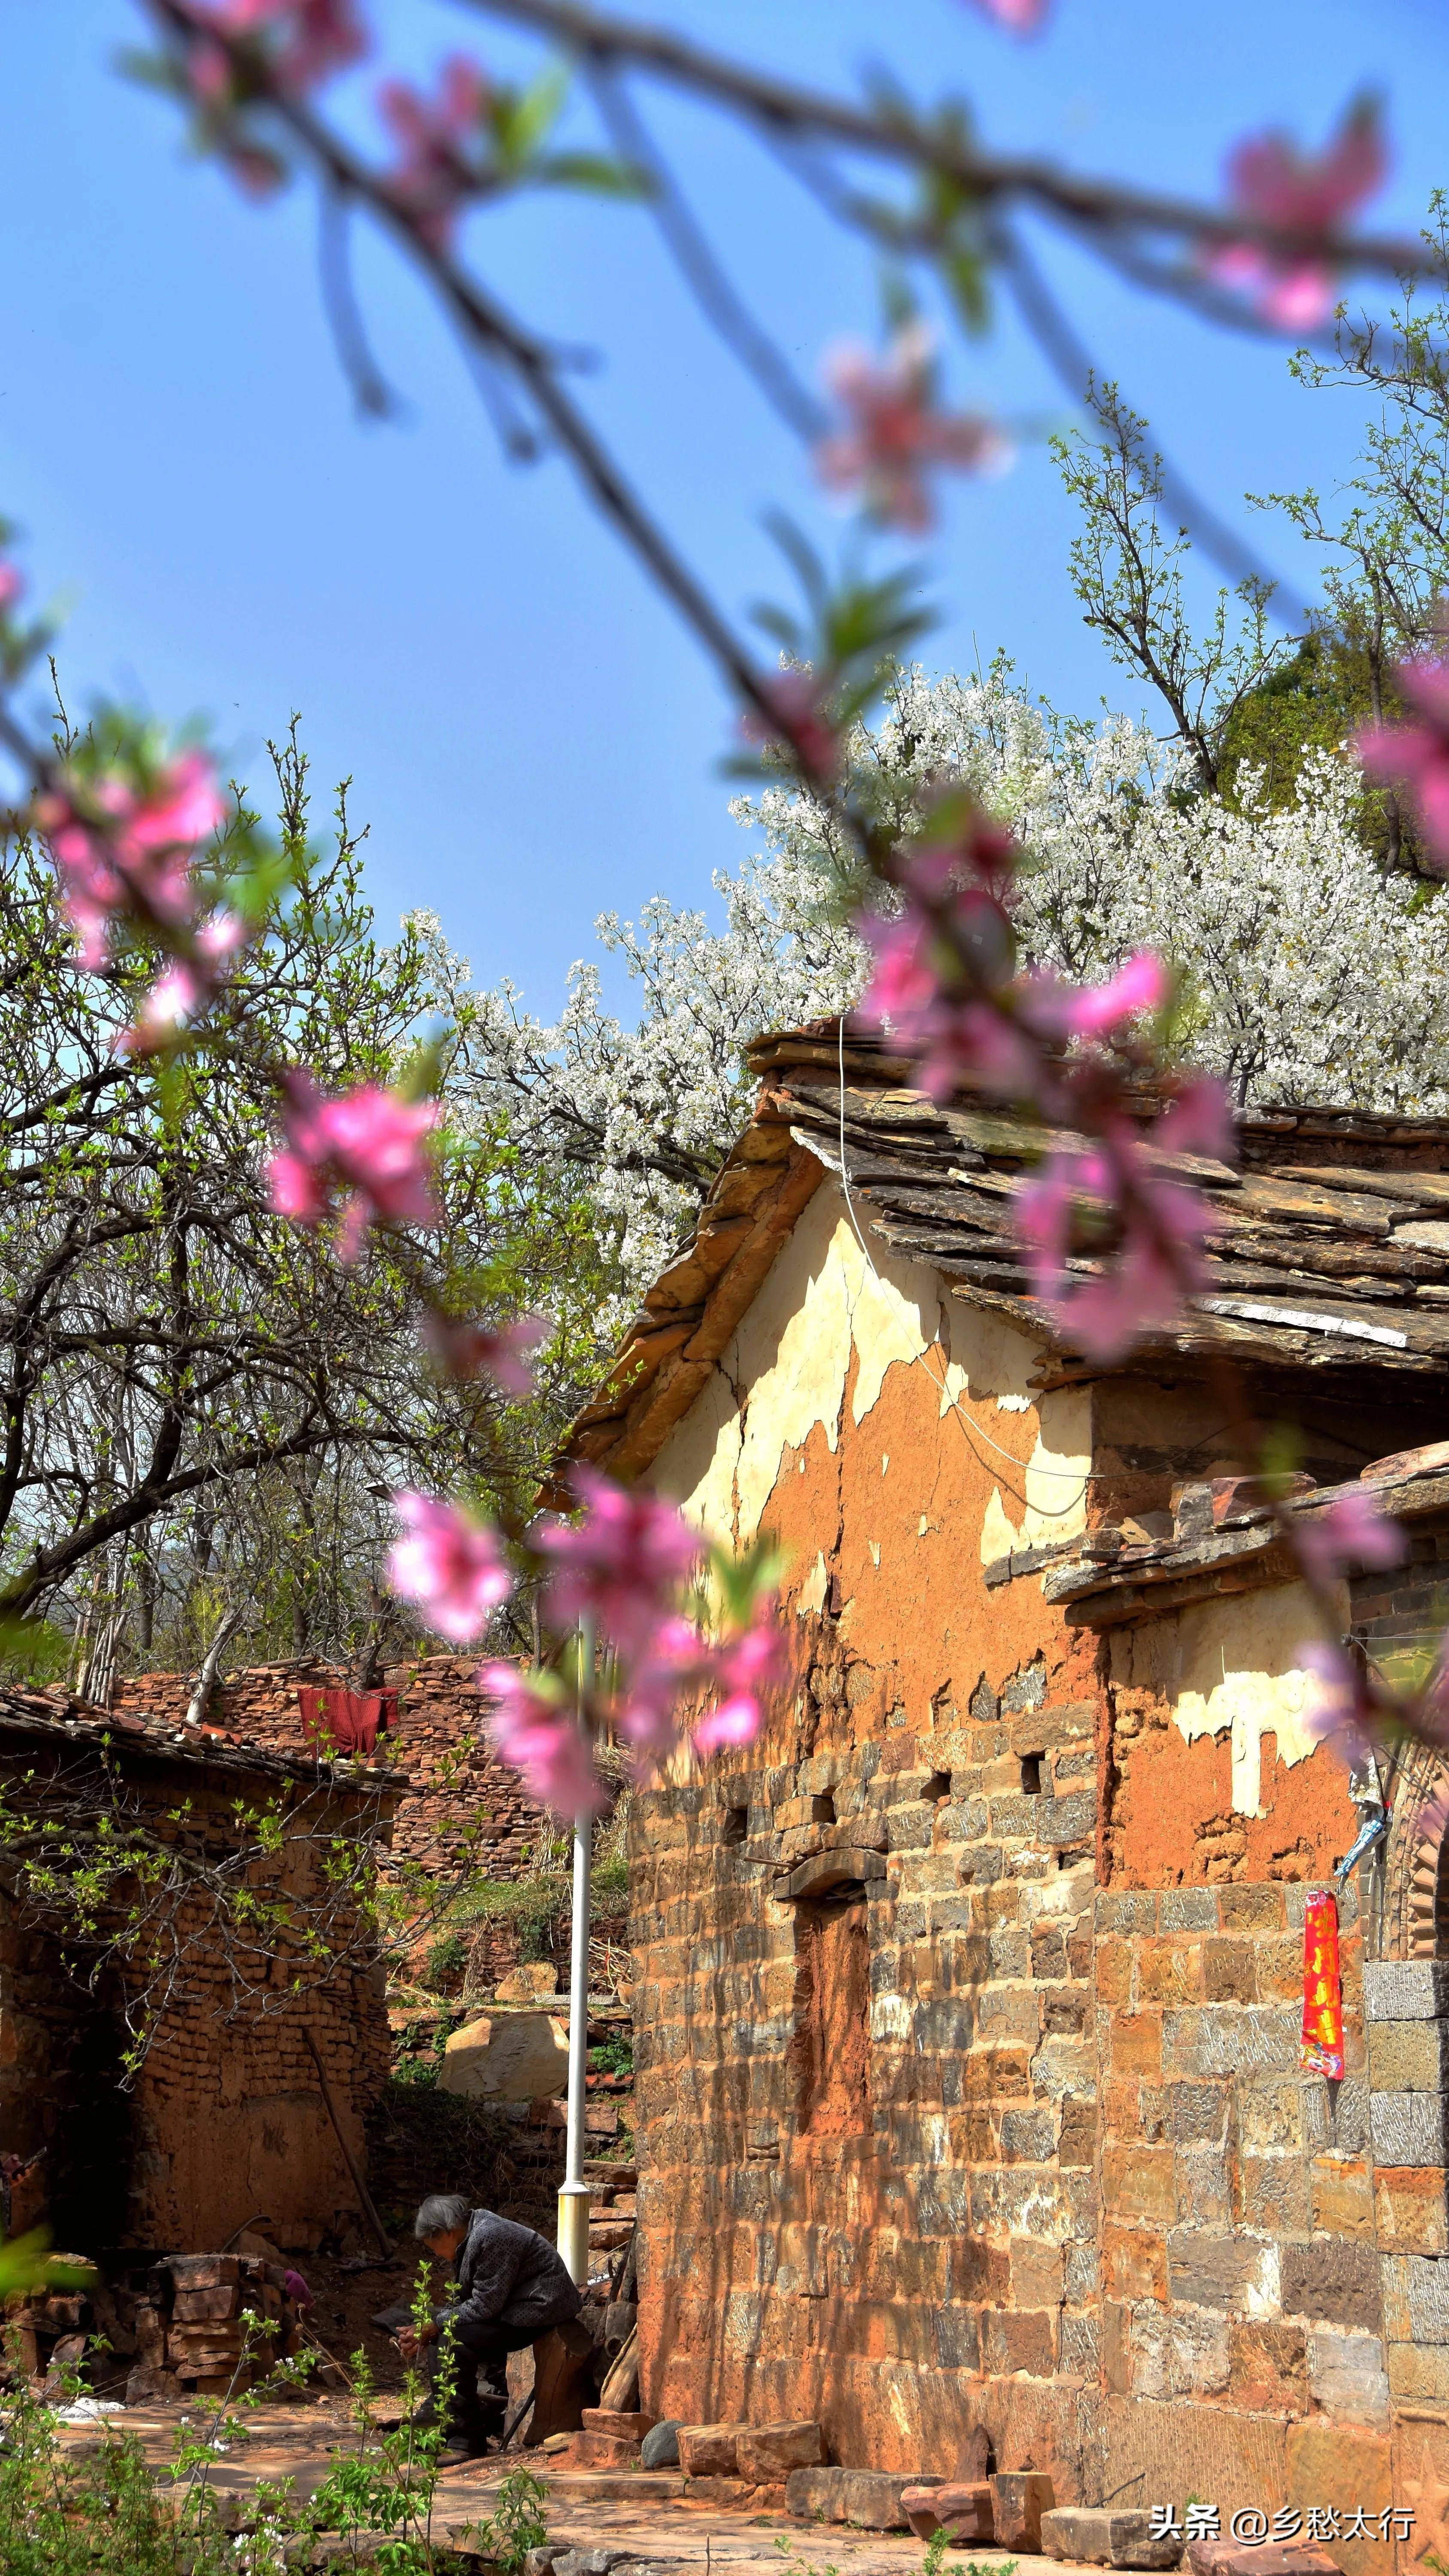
<point x="1322" y="2047"/>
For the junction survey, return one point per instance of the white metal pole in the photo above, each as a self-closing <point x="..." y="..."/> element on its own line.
<point x="574" y="2194"/>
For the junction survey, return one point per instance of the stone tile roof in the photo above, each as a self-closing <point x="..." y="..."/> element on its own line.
<point x="1329" y="1254"/>
<point x="1226" y="1538"/>
<point x="30" y="1717"/>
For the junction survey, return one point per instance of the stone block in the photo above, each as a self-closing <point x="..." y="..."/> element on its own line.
<point x="1407" y="2056"/>
<point x="962" y="2512"/>
<point x="1406" y="1989"/>
<point x="1335" y="2282"/>
<point x="1137" y="2182"/>
<point x="192" y="2307"/>
<point x="710" y="2450"/>
<point x="1416" y="2299"/>
<point x="1341" y="2192"/>
<point x="1099" y="2538"/>
<point x="1345" y="2468"/>
<point x="1419" y="2375"/>
<point x="1230" y="2039"/>
<point x="868" y="2498"/>
<point x="660" y="2449"/>
<point x="203" y="2271"/>
<point x="602" y="2451"/>
<point x="1408" y="2128"/>
<point x="1228" y="2272"/>
<point x="1258" y="2558"/>
<point x="768" y="2452"/>
<point x="1409" y="2202"/>
<point x="1346" y="2374"/>
<point x="614" y="2421"/>
<point x="1019" y="2498"/>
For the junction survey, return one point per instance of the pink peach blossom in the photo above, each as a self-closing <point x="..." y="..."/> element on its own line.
<point x="1269" y="178"/>
<point x="745" y="1669"/>
<point x="802" y="723"/>
<point x="369" y="1141"/>
<point x="1352" y="1533"/>
<point x="1019" y="17"/>
<point x="472" y="1350"/>
<point x="448" y="1565"/>
<point x="434" y="176"/>
<point x="540" y="1740"/>
<point x="186" y="985"/>
<point x="895" y="433"/>
<point x="122" y="851"/>
<point x="1417" y="754"/>
<point x="621" y="1564"/>
<point x="307" y="40"/>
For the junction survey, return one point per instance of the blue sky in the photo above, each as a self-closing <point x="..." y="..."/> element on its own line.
<point x="530" y="735"/>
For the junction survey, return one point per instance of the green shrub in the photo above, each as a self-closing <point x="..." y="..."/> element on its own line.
<point x="447" y="1959"/>
<point x="612" y="2057"/>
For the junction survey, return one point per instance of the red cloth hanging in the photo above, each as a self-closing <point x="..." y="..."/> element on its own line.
<point x="1322" y="2045"/>
<point x="336" y="1720"/>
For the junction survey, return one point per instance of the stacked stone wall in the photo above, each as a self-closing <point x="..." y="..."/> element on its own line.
<point x="929" y="2264"/>
<point x="459" y="1801"/>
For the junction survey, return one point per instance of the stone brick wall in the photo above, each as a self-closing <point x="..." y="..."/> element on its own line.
<point x="459" y="1798"/>
<point x="225" y="2120"/>
<point x="874" y="2201"/>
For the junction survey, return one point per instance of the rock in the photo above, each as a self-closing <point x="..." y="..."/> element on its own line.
<point x="1105" y="2539"/>
<point x="604" y="2451"/>
<point x="528" y="1984"/>
<point x="869" y="2498"/>
<point x="148" y="2386"/>
<point x="1265" y="2558"/>
<point x="768" y="2452"/>
<point x="962" y="2512"/>
<point x="507" y="2057"/>
<point x="660" y="2449"/>
<point x="613" y="2419"/>
<point x="1019" y="2498"/>
<point x="709" y="2450"/>
<point x="555" y="2441"/>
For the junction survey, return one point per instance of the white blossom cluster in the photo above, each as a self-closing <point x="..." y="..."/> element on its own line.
<point x="1307" y="972"/>
<point x="647" y="1113"/>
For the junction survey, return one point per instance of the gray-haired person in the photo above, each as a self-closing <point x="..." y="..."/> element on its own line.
<point x="511" y="2287"/>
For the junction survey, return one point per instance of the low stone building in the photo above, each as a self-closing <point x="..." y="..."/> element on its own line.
<point x="177" y="2033"/>
<point x="968" y="2018"/>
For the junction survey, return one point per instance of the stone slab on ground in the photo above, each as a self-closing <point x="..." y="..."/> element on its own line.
<point x="1105" y="2539"/>
<point x="770" y="2451"/>
<point x="962" y="2512"/>
<point x="1263" y="2558"/>
<point x="868" y="2498"/>
<point x="710" y="2450"/>
<point x="1019" y="2498"/>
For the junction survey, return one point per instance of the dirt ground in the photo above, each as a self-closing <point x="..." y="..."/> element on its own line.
<point x="650" y="2519"/>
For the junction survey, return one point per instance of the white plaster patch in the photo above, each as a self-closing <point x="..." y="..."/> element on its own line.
<point x="814" y="1588"/>
<point x="1013" y="1404"/>
<point x="875" y="1554"/>
<point x="998" y="1535"/>
<point x="1239" y="1668"/>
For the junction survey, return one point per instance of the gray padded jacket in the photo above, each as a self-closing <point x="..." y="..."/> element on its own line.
<point x="508" y="2276"/>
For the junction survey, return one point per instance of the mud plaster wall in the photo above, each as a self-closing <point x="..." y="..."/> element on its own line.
<point x="911" y="2255"/>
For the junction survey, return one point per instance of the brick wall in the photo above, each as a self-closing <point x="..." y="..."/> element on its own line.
<point x="225" y="2119"/>
<point x="457" y="1791"/>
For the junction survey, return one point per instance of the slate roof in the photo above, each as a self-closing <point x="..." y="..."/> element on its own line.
<point x="56" y="1718"/>
<point x="1329" y="1254"/>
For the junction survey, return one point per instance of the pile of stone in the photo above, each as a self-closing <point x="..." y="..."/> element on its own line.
<point x="1009" y="2510"/>
<point x="211" y="2324"/>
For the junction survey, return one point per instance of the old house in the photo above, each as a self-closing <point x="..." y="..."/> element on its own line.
<point x="969" y="2008"/>
<point x="191" y="2035"/>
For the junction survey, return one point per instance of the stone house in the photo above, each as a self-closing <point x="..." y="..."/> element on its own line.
<point x="246" y="2029"/>
<point x="968" y="2018"/>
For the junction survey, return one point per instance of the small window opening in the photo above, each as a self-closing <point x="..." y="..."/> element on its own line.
<point x="937" y="1787"/>
<point x="822" y="1809"/>
<point x="1031" y="1775"/>
<point x="736" y="1824"/>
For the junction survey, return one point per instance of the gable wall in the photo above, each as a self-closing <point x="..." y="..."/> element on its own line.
<point x="873" y="2199"/>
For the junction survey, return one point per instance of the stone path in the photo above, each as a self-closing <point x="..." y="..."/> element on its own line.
<point x="652" y="2519"/>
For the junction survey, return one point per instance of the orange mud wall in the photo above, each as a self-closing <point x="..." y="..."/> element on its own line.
<point x="868" y="2105"/>
<point x="971" y="2112"/>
